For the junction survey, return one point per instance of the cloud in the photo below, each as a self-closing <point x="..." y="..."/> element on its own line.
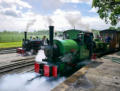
<point x="12" y="16"/>
<point x="77" y="1"/>
<point x="19" y="23"/>
<point x="96" y="23"/>
<point x="68" y="19"/>
<point x="72" y="19"/>
<point x="93" y="10"/>
<point x="13" y="7"/>
<point x="10" y="12"/>
<point x="12" y="23"/>
<point x="55" y="4"/>
<point x="51" y="4"/>
<point x="16" y="2"/>
<point x="59" y="21"/>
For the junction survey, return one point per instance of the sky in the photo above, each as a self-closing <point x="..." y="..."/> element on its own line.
<point x="30" y="15"/>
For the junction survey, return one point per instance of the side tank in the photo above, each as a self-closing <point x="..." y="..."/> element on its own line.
<point x="65" y="46"/>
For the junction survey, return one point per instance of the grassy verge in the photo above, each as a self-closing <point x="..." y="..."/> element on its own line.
<point x="7" y="36"/>
<point x="10" y="44"/>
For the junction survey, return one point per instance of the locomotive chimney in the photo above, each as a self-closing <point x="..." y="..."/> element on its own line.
<point x="25" y="33"/>
<point x="51" y="35"/>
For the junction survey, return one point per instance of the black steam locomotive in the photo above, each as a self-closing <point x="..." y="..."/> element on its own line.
<point x="30" y="46"/>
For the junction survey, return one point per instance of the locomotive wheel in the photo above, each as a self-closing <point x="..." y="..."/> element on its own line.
<point x="33" y="51"/>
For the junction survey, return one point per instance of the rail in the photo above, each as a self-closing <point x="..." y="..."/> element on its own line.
<point x="16" y="65"/>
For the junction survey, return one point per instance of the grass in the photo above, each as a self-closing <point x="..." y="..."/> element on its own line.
<point x="10" y="37"/>
<point x="10" y="44"/>
<point x="13" y="39"/>
<point x="18" y="36"/>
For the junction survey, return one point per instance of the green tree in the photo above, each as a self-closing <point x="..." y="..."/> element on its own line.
<point x="109" y="10"/>
<point x="112" y="28"/>
<point x="118" y="29"/>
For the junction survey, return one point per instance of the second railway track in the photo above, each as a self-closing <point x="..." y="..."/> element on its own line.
<point x="17" y="65"/>
<point x="7" y="51"/>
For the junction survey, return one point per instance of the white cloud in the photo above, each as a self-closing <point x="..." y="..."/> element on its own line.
<point x="17" y="2"/>
<point x="94" y="10"/>
<point x="23" y="4"/>
<point x="64" y="20"/>
<point x="12" y="23"/>
<point x="59" y="21"/>
<point x="10" y="11"/>
<point x="77" y="1"/>
<point x="13" y="7"/>
<point x="51" y="4"/>
<point x="20" y="23"/>
<point x="13" y="18"/>
<point x="96" y="23"/>
<point x="55" y="4"/>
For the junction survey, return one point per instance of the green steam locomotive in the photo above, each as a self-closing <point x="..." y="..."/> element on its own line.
<point x="67" y="55"/>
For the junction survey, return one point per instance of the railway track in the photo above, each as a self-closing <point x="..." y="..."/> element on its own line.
<point x="16" y="65"/>
<point x="7" y="51"/>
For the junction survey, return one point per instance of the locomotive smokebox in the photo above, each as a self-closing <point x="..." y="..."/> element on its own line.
<point x="51" y="35"/>
<point x="25" y="34"/>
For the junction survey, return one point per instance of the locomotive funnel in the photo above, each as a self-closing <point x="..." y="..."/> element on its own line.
<point x="51" y="35"/>
<point x="25" y="33"/>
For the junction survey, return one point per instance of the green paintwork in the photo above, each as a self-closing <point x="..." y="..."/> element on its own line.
<point x="72" y="33"/>
<point x="62" y="66"/>
<point x="66" y="46"/>
<point x="100" y="44"/>
<point x="84" y="52"/>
